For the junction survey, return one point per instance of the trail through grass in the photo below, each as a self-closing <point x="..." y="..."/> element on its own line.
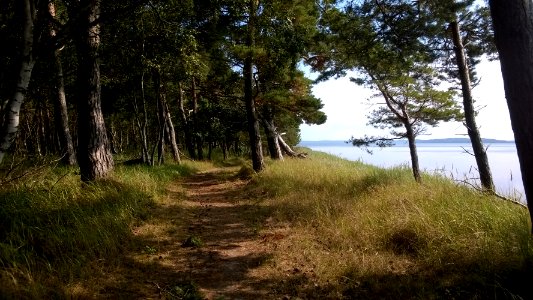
<point x="317" y="228"/>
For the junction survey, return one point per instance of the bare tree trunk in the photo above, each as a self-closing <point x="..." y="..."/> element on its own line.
<point x="196" y="126"/>
<point x="170" y="133"/>
<point x="287" y="149"/>
<point x="480" y="153"/>
<point x="224" y="150"/>
<point x="251" y="114"/>
<point x="186" y="125"/>
<point x="94" y="153"/>
<point x="145" y="154"/>
<point x="61" y="116"/>
<point x="209" y="150"/>
<point x="272" y="140"/>
<point x="12" y="112"/>
<point x="513" y="29"/>
<point x="160" y="116"/>
<point x="112" y="137"/>
<point x="412" y="151"/>
<point x="60" y="103"/>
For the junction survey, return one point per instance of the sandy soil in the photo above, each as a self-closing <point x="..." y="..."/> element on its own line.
<point x="207" y="233"/>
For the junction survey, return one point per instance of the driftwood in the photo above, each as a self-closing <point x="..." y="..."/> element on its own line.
<point x="287" y="149"/>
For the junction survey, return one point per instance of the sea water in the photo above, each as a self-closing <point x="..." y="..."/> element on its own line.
<point x="454" y="160"/>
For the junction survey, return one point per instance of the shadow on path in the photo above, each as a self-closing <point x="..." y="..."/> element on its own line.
<point x="204" y="237"/>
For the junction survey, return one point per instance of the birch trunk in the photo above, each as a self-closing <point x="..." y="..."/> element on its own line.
<point x="12" y="111"/>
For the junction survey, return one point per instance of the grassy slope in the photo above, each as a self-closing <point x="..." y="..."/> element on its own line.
<point x="52" y="227"/>
<point x="353" y="231"/>
<point x="365" y="232"/>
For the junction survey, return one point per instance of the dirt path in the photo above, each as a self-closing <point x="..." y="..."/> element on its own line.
<point x="203" y="237"/>
<point x="227" y="228"/>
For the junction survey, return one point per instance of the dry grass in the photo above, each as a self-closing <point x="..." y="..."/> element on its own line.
<point x="359" y="231"/>
<point x="328" y="228"/>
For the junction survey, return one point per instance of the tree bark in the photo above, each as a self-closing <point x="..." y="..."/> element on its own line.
<point x="160" y="116"/>
<point x="12" y="111"/>
<point x="60" y="103"/>
<point x="170" y="133"/>
<point x="412" y="151"/>
<point x="513" y="29"/>
<point x="94" y="153"/>
<point x="61" y="115"/>
<point x="186" y="125"/>
<point x="198" y="141"/>
<point x="251" y="114"/>
<point x="480" y="153"/>
<point x="145" y="153"/>
<point x="287" y="149"/>
<point x="272" y="140"/>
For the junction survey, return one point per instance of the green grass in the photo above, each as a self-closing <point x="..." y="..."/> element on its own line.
<point x="351" y="231"/>
<point x="375" y="233"/>
<point x="52" y="225"/>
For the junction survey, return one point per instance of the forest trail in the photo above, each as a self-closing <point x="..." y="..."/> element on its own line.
<point x="226" y="225"/>
<point x="203" y="237"/>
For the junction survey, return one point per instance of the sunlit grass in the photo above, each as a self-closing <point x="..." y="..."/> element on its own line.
<point x="53" y="225"/>
<point x="349" y="230"/>
<point x="359" y="225"/>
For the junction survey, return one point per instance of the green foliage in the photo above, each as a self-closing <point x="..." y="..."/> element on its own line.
<point x="413" y="98"/>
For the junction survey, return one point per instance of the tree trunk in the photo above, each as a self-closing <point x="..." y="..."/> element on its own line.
<point x="287" y="149"/>
<point x="224" y="150"/>
<point x="111" y="134"/>
<point x="513" y="29"/>
<point x="209" y="150"/>
<point x="94" y="154"/>
<point x="161" y="116"/>
<point x="272" y="140"/>
<point x="186" y="126"/>
<point x="60" y="103"/>
<point x="253" y="123"/>
<point x="480" y="153"/>
<point x="145" y="154"/>
<point x="61" y="115"/>
<point x="412" y="151"/>
<point x="196" y="126"/>
<point x="170" y="133"/>
<point x="12" y="110"/>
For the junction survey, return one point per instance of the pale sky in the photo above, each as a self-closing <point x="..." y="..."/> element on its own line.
<point x="346" y="106"/>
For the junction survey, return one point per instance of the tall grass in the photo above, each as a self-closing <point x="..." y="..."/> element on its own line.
<point x="371" y="232"/>
<point x="52" y="225"/>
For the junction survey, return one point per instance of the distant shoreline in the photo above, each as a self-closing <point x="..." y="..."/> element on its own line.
<point x="430" y="141"/>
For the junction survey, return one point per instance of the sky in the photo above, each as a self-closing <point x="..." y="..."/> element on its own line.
<point x="347" y="106"/>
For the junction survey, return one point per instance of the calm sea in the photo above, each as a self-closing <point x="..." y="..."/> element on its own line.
<point x="450" y="159"/>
